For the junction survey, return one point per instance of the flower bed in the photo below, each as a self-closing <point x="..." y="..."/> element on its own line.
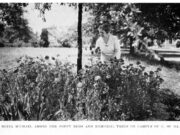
<point x="42" y="90"/>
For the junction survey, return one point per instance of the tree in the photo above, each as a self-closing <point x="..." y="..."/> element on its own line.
<point x="11" y="14"/>
<point x="20" y="31"/>
<point x="44" y="38"/>
<point x="164" y="17"/>
<point x="79" y="59"/>
<point x="12" y="24"/>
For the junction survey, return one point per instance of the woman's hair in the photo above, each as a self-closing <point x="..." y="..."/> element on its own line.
<point x="105" y="27"/>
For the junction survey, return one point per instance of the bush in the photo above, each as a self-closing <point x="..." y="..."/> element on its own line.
<point x="121" y="92"/>
<point x="35" y="90"/>
<point x="41" y="90"/>
<point x="65" y="43"/>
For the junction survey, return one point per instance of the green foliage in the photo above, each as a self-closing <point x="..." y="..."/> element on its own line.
<point x="47" y="89"/>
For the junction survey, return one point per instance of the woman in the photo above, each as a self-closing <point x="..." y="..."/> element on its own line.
<point x="108" y="44"/>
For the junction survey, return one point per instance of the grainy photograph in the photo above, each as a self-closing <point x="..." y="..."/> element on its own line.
<point x="89" y="61"/>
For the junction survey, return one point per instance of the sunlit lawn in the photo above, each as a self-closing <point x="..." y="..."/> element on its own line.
<point x="8" y="58"/>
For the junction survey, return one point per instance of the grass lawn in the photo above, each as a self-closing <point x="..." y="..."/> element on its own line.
<point x="8" y="58"/>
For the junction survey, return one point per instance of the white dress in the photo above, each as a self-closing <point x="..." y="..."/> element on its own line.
<point x="109" y="50"/>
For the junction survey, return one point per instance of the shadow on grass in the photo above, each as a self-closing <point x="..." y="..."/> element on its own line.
<point x="150" y="61"/>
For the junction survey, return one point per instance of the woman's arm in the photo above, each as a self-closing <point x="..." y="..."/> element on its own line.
<point x="117" y="49"/>
<point x="97" y="47"/>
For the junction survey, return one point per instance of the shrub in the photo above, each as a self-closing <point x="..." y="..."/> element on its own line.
<point x="41" y="90"/>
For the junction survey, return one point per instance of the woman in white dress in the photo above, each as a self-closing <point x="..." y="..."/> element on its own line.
<point x="108" y="44"/>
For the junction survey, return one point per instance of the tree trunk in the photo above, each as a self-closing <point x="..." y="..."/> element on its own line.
<point x="131" y="51"/>
<point x="79" y="59"/>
